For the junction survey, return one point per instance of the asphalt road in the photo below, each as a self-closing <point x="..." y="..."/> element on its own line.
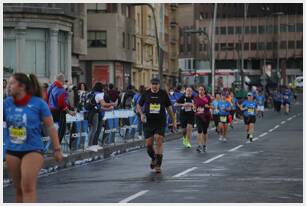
<point x="268" y="170"/>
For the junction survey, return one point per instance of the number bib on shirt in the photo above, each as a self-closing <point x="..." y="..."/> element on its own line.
<point x="18" y="135"/>
<point x="154" y="108"/>
<point x="251" y="110"/>
<point x="286" y="97"/>
<point x="223" y="119"/>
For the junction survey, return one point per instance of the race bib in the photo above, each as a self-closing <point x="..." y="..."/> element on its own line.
<point x="200" y="109"/>
<point x="154" y="108"/>
<point x="188" y="108"/>
<point x="286" y="97"/>
<point x="223" y="119"/>
<point x="18" y="135"/>
<point x="251" y="110"/>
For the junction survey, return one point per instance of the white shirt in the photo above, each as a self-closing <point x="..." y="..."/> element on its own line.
<point x="99" y="97"/>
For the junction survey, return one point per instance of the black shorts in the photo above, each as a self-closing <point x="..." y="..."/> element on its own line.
<point x="223" y="119"/>
<point x="249" y="119"/>
<point x="202" y="125"/>
<point x="286" y="102"/>
<point x="216" y="118"/>
<point x="149" y="131"/>
<point x="21" y="154"/>
<point x="187" y="119"/>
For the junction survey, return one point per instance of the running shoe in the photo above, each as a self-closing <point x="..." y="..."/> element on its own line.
<point x="153" y="164"/>
<point x="199" y="149"/>
<point x="231" y="126"/>
<point x="188" y="145"/>
<point x="220" y="138"/>
<point x="251" y="138"/>
<point x="204" y="149"/>
<point x="248" y="136"/>
<point x="224" y="139"/>
<point x="157" y="169"/>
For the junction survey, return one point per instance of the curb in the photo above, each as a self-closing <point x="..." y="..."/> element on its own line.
<point x="83" y="157"/>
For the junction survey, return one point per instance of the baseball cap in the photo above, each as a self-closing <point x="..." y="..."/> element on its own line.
<point x="155" y="80"/>
<point x="250" y="94"/>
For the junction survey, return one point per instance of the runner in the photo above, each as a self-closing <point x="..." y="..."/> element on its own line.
<point x="260" y="100"/>
<point x="202" y="117"/>
<point x="187" y="116"/>
<point x="215" y="111"/>
<point x="23" y="113"/>
<point x="249" y="113"/>
<point x="155" y="101"/>
<point x="224" y="108"/>
<point x="287" y="95"/>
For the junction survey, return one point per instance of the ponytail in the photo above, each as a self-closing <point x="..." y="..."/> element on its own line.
<point x="36" y="88"/>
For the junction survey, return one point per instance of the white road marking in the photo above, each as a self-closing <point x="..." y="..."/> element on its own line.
<point x="256" y="138"/>
<point x="235" y="148"/>
<point x="271" y="130"/>
<point x="277" y="126"/>
<point x="212" y="129"/>
<point x="294" y="116"/>
<point x="263" y="134"/>
<point x="138" y="194"/>
<point x="283" y="122"/>
<point x="212" y="159"/>
<point x="185" y="172"/>
<point x="289" y="119"/>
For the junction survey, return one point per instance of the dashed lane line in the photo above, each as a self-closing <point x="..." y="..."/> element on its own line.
<point x="214" y="158"/>
<point x="263" y="134"/>
<point x="283" y="122"/>
<point x="185" y="172"/>
<point x="235" y="148"/>
<point x="132" y="197"/>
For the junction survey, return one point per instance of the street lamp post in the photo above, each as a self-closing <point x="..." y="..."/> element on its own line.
<point x="159" y="50"/>
<point x="278" y="14"/>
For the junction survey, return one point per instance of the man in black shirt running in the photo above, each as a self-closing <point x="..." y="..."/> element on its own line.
<point x="155" y="101"/>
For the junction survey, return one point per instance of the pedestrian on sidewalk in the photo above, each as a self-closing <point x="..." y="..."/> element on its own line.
<point x="155" y="101"/>
<point x="23" y="113"/>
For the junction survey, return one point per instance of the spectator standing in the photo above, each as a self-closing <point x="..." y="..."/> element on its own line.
<point x="58" y="104"/>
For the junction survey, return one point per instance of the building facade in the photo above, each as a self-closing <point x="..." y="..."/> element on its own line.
<point x="111" y="44"/>
<point x="273" y="38"/>
<point x="44" y="39"/>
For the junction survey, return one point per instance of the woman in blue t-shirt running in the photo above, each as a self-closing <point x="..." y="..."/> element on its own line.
<point x="23" y="113"/>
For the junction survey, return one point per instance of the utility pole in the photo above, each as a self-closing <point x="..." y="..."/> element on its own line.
<point x="213" y="51"/>
<point x="245" y="8"/>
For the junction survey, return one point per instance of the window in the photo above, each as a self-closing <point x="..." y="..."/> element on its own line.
<point x="261" y="29"/>
<point x="269" y="29"/>
<point x="216" y="47"/>
<point x="261" y="45"/>
<point x="230" y="46"/>
<point x="222" y="30"/>
<point x="230" y="30"/>
<point x="253" y="46"/>
<point x="96" y="8"/>
<point x="35" y="60"/>
<point x="247" y="30"/>
<point x="217" y="30"/>
<point x="149" y="24"/>
<point x="253" y="29"/>
<point x="299" y="44"/>
<point x="181" y="48"/>
<point x="283" y="28"/>
<point x="62" y="51"/>
<point x="238" y="46"/>
<point x="283" y="45"/>
<point x="291" y="44"/>
<point x="269" y="46"/>
<point x="299" y="27"/>
<point x="246" y="46"/>
<point x="189" y="64"/>
<point x="274" y="45"/>
<point x="128" y="41"/>
<point x="188" y="47"/>
<point x="9" y="46"/>
<point x="223" y="46"/>
<point x="134" y="42"/>
<point x="123" y="40"/>
<point x="97" y="39"/>
<point x="291" y="28"/>
<point x="238" y="29"/>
